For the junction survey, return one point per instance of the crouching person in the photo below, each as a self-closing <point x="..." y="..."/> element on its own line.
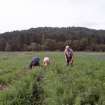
<point x="46" y="61"/>
<point x="35" y="62"/>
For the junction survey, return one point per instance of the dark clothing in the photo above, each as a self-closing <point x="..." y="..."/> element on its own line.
<point x="69" y="52"/>
<point x="69" y="55"/>
<point x="35" y="59"/>
<point x="68" y="59"/>
<point x="35" y="62"/>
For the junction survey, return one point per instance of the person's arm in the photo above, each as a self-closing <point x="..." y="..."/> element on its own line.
<point x="65" y="55"/>
<point x="72" y="59"/>
<point x="30" y="66"/>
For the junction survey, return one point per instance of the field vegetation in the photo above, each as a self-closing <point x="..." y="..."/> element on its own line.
<point x="57" y="84"/>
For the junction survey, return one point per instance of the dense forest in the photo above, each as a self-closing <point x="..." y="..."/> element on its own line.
<point x="51" y="39"/>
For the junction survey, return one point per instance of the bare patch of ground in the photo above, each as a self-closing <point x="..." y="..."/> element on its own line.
<point x="3" y="87"/>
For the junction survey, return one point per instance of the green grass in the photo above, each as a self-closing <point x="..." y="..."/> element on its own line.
<point x="82" y="84"/>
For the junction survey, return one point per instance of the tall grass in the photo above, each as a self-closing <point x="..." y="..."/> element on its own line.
<point x="82" y="84"/>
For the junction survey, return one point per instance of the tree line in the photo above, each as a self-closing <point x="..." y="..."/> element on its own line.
<point x="53" y="39"/>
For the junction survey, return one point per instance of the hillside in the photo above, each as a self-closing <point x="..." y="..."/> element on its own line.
<point x="48" y="38"/>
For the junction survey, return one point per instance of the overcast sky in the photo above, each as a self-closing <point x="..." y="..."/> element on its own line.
<point x="25" y="14"/>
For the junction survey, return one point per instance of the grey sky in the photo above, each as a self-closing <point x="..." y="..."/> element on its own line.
<point x="24" y="14"/>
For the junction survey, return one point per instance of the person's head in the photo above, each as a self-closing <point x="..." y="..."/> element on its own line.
<point x="67" y="47"/>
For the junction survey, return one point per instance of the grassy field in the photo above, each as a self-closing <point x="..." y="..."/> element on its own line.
<point x="58" y="84"/>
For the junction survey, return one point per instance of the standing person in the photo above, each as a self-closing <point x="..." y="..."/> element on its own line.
<point x="35" y="62"/>
<point x="69" y="56"/>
